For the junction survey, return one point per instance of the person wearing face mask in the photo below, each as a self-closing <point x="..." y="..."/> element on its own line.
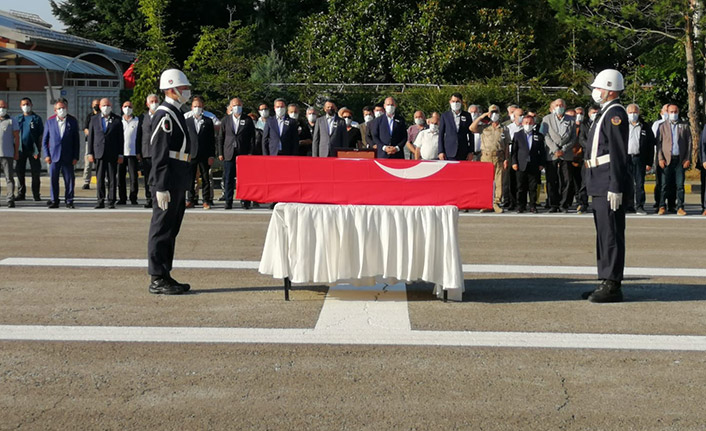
<point x="420" y="123"/>
<point x="511" y="116"/>
<point x="368" y="116"/>
<point x="474" y="138"/>
<point x="671" y="195"/>
<point x="306" y="131"/>
<point x="131" y="155"/>
<point x="352" y="138"/>
<point x="151" y="102"/>
<point x="281" y="134"/>
<point x="202" y="136"/>
<point x="106" y="143"/>
<point x="62" y="148"/>
<point x="454" y="132"/>
<point x="527" y="162"/>
<point x="426" y="143"/>
<point x="329" y="132"/>
<point x="88" y="166"/>
<point x="640" y="147"/>
<point x="236" y="138"/>
<point x="559" y="136"/>
<point x="9" y="150"/>
<point x="674" y="156"/>
<point x="493" y="149"/>
<point x="390" y="132"/>
<point x="510" y="186"/>
<point x="169" y="179"/>
<point x="31" y="131"/>
<point x="607" y="180"/>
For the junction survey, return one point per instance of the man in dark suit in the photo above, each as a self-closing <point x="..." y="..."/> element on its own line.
<point x="281" y="134"/>
<point x="329" y="132"/>
<point x="454" y="132"/>
<point x="674" y="157"/>
<point x="235" y="138"/>
<point x="61" y="143"/>
<point x="527" y="161"/>
<point x="105" y="149"/>
<point x="143" y="143"/>
<point x="640" y="156"/>
<point x="389" y="132"/>
<point x="203" y="148"/>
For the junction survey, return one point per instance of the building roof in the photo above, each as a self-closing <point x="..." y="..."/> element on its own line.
<point x="15" y="28"/>
<point x="57" y="63"/>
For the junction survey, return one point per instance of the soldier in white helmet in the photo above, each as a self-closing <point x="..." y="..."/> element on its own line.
<point x="169" y="180"/>
<point x="608" y="181"/>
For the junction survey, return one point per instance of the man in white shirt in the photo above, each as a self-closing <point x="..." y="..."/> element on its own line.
<point x="427" y="142"/>
<point x="131" y="156"/>
<point x="640" y="148"/>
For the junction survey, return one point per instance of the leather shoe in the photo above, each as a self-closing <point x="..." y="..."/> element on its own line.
<point x="229" y="205"/>
<point x="681" y="212"/>
<point x="37" y="198"/>
<point x="70" y="205"/>
<point x="86" y="187"/>
<point x="148" y="204"/>
<point x="245" y="204"/>
<point x="165" y="287"/>
<point x="189" y="204"/>
<point x="11" y="204"/>
<point x="111" y="205"/>
<point x="121" y="202"/>
<point x="185" y="286"/>
<point x="54" y="205"/>
<point x="608" y="291"/>
<point x="99" y="205"/>
<point x="20" y="198"/>
<point x="662" y="211"/>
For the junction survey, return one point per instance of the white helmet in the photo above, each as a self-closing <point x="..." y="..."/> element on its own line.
<point x="172" y="78"/>
<point x="609" y="79"/>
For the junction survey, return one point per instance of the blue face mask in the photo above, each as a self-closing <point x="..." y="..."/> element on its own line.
<point x="237" y="109"/>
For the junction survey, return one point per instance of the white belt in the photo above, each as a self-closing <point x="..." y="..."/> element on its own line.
<point x="184" y="157"/>
<point x="601" y="160"/>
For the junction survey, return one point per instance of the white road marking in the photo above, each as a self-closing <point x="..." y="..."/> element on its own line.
<point x="542" y="340"/>
<point x="251" y="264"/>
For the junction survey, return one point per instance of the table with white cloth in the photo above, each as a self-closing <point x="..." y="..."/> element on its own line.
<point x="331" y="244"/>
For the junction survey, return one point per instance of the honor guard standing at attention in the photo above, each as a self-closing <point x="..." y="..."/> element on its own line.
<point x="607" y="180"/>
<point x="169" y="180"/>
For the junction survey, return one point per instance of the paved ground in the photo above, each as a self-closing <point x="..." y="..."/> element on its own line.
<point x="107" y="385"/>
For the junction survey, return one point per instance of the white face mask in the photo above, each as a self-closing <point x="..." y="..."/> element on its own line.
<point x="368" y="118"/>
<point x="434" y="128"/>
<point x="597" y="96"/>
<point x="674" y="117"/>
<point x="349" y="121"/>
<point x="494" y="117"/>
<point x="106" y="110"/>
<point x="311" y="117"/>
<point x="263" y="113"/>
<point x="633" y="117"/>
<point x="419" y="121"/>
<point x="579" y="118"/>
<point x="127" y="111"/>
<point x="26" y="109"/>
<point x="474" y="115"/>
<point x="3" y="111"/>
<point x="183" y="96"/>
<point x="527" y="128"/>
<point x="293" y="115"/>
<point x="280" y="112"/>
<point x="559" y="110"/>
<point x="455" y="106"/>
<point x="154" y="106"/>
<point x="197" y="110"/>
<point x="61" y="113"/>
<point x="378" y="114"/>
<point x="390" y="109"/>
<point x="592" y="117"/>
<point x="238" y="109"/>
<point x="665" y="116"/>
<point x="518" y="120"/>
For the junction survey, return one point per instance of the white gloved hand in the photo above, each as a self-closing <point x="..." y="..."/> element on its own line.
<point x="615" y="200"/>
<point x="163" y="199"/>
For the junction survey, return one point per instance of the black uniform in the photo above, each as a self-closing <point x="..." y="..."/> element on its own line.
<point x="144" y="149"/>
<point x="169" y="148"/>
<point x="612" y="176"/>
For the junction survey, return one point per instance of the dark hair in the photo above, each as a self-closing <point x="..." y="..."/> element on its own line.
<point x="263" y="103"/>
<point x="330" y="101"/>
<point x="459" y="95"/>
<point x="380" y="105"/>
<point x="199" y="98"/>
<point x="367" y="108"/>
<point x="27" y="99"/>
<point x="62" y="100"/>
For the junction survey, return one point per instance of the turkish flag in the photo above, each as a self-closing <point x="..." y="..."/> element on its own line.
<point x="322" y="180"/>
<point x="129" y="77"/>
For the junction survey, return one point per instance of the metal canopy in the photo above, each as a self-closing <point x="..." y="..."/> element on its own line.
<point x="56" y="63"/>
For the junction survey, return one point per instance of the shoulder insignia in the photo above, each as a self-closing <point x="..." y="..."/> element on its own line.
<point x="616" y="121"/>
<point x="166" y="124"/>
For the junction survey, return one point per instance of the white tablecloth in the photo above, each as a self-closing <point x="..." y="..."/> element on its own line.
<point x="336" y="243"/>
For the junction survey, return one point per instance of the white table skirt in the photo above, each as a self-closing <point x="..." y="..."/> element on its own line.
<point x="336" y="243"/>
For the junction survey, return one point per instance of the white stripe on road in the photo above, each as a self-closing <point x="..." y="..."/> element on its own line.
<point x="372" y="337"/>
<point x="251" y="264"/>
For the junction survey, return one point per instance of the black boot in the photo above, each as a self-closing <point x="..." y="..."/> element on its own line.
<point x="609" y="291"/>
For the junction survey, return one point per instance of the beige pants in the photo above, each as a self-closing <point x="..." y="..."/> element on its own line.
<point x="499" y="174"/>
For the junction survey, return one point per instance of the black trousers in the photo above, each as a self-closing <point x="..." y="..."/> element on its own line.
<point x="566" y="182"/>
<point x="165" y="225"/>
<point x="35" y="166"/>
<point x="703" y="186"/>
<point x="106" y="169"/>
<point x="553" y="187"/>
<point x="146" y="169"/>
<point x="129" y="165"/>
<point x="510" y="189"/>
<point x="610" y="239"/>
<point x="527" y="181"/>
<point x="202" y="167"/>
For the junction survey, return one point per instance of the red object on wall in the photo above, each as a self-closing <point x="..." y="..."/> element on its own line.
<point x="324" y="180"/>
<point x="129" y="77"/>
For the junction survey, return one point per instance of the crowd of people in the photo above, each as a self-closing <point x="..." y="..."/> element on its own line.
<point x="520" y="144"/>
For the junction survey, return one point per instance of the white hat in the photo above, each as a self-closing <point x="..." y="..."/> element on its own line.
<point x="609" y="79"/>
<point x="172" y="78"/>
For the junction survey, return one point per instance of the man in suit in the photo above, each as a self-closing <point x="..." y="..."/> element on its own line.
<point x="329" y="132"/>
<point x="640" y="155"/>
<point x="607" y="181"/>
<point x="390" y="132"/>
<point x="235" y="138"/>
<point x="368" y="116"/>
<point x="131" y="155"/>
<point x="31" y="132"/>
<point x="88" y="166"/>
<point x="203" y="150"/>
<point x="674" y="156"/>
<point x="560" y="136"/>
<point x="280" y="135"/>
<point x="510" y="185"/>
<point x="62" y="147"/>
<point x="105" y="149"/>
<point x="306" y="132"/>
<point x="152" y="102"/>
<point x="454" y="131"/>
<point x="527" y="163"/>
<point x="9" y="150"/>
